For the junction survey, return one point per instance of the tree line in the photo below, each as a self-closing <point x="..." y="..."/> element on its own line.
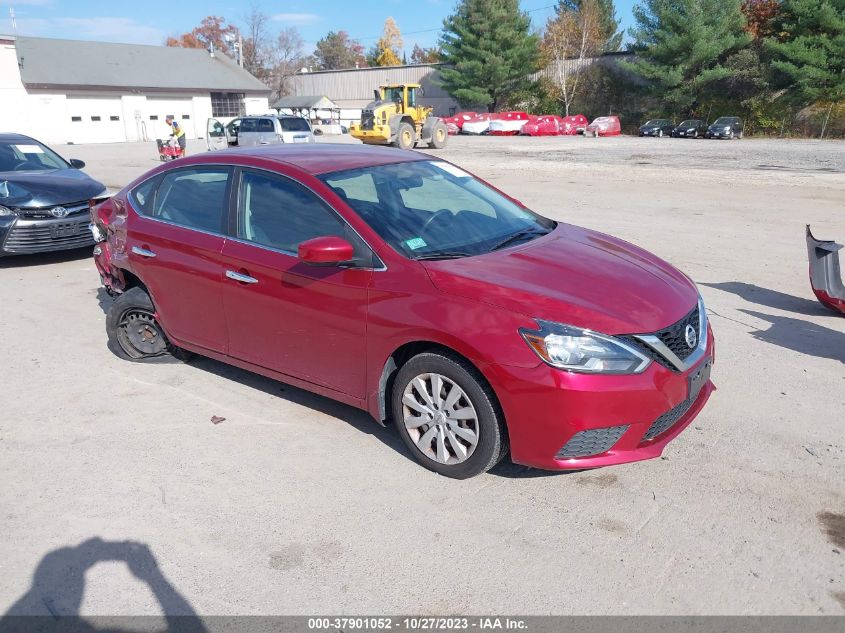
<point x="780" y="64"/>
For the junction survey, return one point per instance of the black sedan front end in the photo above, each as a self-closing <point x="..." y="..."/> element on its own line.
<point x="43" y="199"/>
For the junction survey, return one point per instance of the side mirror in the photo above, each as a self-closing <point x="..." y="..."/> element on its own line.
<point x="76" y="163"/>
<point x="325" y="251"/>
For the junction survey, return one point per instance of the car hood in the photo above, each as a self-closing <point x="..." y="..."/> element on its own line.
<point x="46" y="188"/>
<point x="575" y="276"/>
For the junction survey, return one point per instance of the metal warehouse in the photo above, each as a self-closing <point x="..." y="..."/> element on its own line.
<point x="67" y="91"/>
<point x="352" y="89"/>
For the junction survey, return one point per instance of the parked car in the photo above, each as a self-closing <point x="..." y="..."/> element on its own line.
<point x="691" y="128"/>
<point x="222" y="133"/>
<point x="272" y="129"/>
<point x="409" y="288"/>
<point x="604" y="126"/>
<point x="657" y="127"/>
<point x="43" y="198"/>
<point x="729" y="127"/>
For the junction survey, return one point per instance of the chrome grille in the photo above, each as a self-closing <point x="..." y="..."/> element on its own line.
<point x="591" y="442"/>
<point x="73" y="209"/>
<point x="39" y="237"/>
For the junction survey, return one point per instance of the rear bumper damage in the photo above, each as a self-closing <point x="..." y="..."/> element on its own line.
<point x="825" y="272"/>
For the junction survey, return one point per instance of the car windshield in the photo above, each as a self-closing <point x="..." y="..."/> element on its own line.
<point x="656" y="122"/>
<point x="724" y="120"/>
<point x="432" y="209"/>
<point x="295" y="124"/>
<point x="690" y="123"/>
<point x="28" y="155"/>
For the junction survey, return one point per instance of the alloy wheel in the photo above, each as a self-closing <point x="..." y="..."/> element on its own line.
<point x="440" y="418"/>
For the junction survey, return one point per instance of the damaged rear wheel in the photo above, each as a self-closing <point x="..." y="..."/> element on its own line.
<point x="134" y="332"/>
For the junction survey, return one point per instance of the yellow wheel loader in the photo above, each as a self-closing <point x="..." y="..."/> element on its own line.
<point x="394" y="118"/>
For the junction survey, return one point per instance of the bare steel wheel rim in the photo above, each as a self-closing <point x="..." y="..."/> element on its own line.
<point x="140" y="335"/>
<point x="440" y="419"/>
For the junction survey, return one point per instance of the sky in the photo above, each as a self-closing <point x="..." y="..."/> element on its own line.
<point x="151" y="21"/>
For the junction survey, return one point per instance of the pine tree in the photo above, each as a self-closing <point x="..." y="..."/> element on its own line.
<point x="809" y="60"/>
<point x="489" y="50"/>
<point x="682" y="46"/>
<point x="609" y="25"/>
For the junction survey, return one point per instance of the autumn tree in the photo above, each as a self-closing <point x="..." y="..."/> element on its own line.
<point x="337" y="51"/>
<point x="608" y="26"/>
<point x="422" y="55"/>
<point x="572" y="37"/>
<point x="760" y="16"/>
<point x="213" y="32"/>
<point x="387" y="49"/>
<point x="489" y="52"/>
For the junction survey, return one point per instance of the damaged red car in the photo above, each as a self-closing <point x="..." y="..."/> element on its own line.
<point x="411" y="289"/>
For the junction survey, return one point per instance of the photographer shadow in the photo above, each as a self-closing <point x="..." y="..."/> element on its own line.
<point x="58" y="587"/>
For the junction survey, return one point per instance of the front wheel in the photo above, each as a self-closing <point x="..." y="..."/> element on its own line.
<point x="134" y="332"/>
<point x="448" y="416"/>
<point x="405" y="136"/>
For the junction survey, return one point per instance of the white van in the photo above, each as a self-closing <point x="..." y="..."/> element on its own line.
<point x="270" y="129"/>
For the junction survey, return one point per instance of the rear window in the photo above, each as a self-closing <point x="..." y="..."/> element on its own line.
<point x="295" y="125"/>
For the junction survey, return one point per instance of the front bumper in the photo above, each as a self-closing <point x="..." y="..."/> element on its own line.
<point x="22" y="236"/>
<point x="546" y="408"/>
<point x="380" y="134"/>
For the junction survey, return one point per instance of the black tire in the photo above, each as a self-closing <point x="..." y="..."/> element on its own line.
<point x="492" y="444"/>
<point x="135" y="334"/>
<point x="405" y="136"/>
<point x="439" y="135"/>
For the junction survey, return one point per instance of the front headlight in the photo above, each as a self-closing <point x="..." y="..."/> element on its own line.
<point x="5" y="211"/>
<point x="584" y="351"/>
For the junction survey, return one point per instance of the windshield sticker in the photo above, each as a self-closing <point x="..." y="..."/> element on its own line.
<point x="451" y="169"/>
<point x="29" y="149"/>
<point x="415" y="243"/>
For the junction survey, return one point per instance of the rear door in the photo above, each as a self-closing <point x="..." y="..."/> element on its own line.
<point x="267" y="133"/>
<point x="304" y="321"/>
<point x="175" y="246"/>
<point x="248" y="132"/>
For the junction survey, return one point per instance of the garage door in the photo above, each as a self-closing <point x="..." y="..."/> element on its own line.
<point x="159" y="108"/>
<point x="95" y="120"/>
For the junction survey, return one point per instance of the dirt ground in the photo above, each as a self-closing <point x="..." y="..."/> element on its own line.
<point x="120" y="496"/>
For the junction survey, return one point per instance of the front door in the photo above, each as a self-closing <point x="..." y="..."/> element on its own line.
<point x="175" y="246"/>
<point x="215" y="137"/>
<point x="300" y="320"/>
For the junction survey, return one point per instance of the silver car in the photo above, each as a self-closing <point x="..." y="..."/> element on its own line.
<point x="269" y="130"/>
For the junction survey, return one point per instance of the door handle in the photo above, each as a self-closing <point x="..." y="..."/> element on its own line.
<point x="240" y="277"/>
<point x="143" y="252"/>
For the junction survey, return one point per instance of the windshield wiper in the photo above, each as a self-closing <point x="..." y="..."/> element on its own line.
<point x="442" y="255"/>
<point x="519" y="235"/>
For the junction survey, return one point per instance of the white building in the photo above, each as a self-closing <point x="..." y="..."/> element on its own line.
<point x="67" y="91"/>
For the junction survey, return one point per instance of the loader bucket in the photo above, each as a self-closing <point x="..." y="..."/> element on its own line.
<point x="825" y="274"/>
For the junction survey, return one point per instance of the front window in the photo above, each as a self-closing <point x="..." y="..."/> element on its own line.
<point x="27" y="155"/>
<point x="689" y="123"/>
<point x="393" y="94"/>
<point x="724" y="120"/>
<point x="434" y="210"/>
<point x="655" y="122"/>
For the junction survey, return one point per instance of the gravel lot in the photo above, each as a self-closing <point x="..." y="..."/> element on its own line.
<point x="296" y="504"/>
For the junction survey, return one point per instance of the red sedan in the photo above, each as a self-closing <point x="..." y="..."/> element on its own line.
<point x="409" y="288"/>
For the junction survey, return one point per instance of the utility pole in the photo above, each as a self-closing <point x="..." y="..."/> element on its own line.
<point x="14" y="20"/>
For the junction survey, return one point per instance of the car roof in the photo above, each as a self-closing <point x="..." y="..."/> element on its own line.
<point x="324" y="158"/>
<point x="13" y="137"/>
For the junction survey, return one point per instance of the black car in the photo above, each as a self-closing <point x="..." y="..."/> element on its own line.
<point x="725" y="127"/>
<point x="43" y="198"/>
<point x="657" y="127"/>
<point x="691" y="128"/>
